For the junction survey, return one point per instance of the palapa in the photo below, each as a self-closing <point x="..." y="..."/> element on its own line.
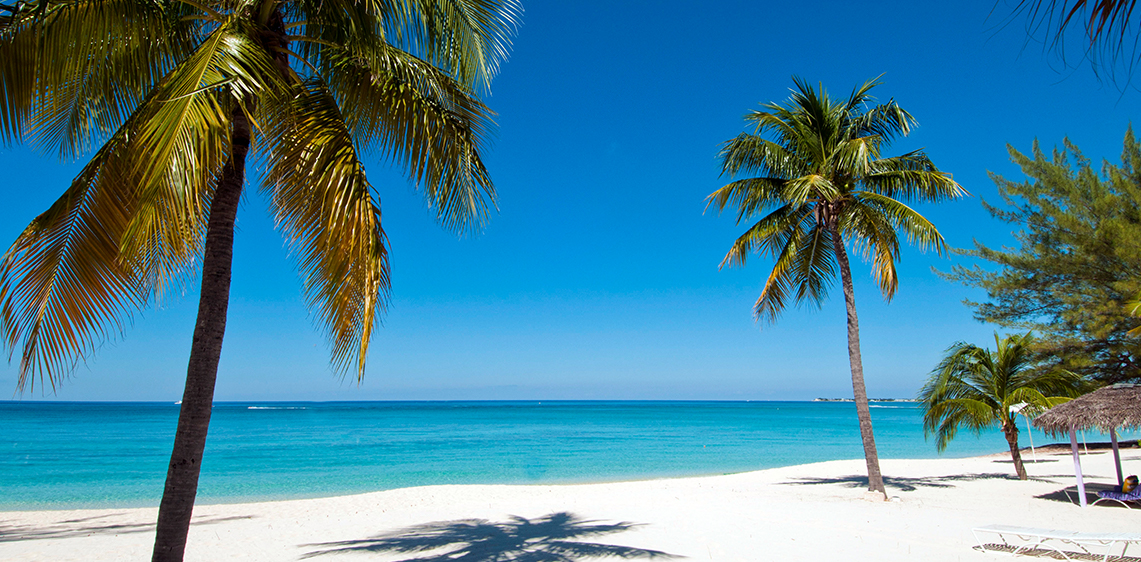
<point x="1105" y="409"/>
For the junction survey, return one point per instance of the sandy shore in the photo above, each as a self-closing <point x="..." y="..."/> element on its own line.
<point x="807" y="512"/>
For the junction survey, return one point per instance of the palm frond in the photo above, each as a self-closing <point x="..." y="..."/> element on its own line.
<point x="183" y="140"/>
<point x="781" y="280"/>
<point x="874" y="238"/>
<point x="323" y="202"/>
<point x="64" y="285"/>
<point x="466" y="39"/>
<point x="901" y="218"/>
<point x="469" y="38"/>
<point x="84" y="85"/>
<point x="815" y="265"/>
<point x="425" y="121"/>
<point x="754" y="154"/>
<point x="768" y="236"/>
<point x="974" y="387"/>
<point x="750" y="196"/>
<point x="911" y="177"/>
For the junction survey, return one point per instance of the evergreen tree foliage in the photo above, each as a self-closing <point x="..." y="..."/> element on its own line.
<point x="1076" y="264"/>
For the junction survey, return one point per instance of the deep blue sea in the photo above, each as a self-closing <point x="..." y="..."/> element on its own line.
<point x="62" y="455"/>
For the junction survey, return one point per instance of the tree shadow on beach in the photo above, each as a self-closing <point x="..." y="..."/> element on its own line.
<point x="904" y="484"/>
<point x="86" y="526"/>
<point x="551" y="538"/>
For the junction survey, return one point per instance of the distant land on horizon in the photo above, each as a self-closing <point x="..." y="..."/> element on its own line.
<point x="869" y="400"/>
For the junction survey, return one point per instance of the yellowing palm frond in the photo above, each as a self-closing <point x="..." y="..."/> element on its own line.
<point x="323" y="203"/>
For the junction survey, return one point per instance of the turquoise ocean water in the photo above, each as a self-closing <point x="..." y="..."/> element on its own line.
<point x="62" y="455"/>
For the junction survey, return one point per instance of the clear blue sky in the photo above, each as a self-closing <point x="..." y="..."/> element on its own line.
<point x="598" y="279"/>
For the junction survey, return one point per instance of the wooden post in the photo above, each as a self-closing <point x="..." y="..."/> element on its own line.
<point x="1078" y="466"/>
<point x="1116" y="457"/>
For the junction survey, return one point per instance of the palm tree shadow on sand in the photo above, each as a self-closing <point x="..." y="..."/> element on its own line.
<point x="551" y="538"/>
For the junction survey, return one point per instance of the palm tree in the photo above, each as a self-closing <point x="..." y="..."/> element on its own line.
<point x="180" y="92"/>
<point x="824" y="185"/>
<point x="976" y="388"/>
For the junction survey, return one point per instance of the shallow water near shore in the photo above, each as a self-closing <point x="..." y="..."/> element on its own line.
<point x="67" y="455"/>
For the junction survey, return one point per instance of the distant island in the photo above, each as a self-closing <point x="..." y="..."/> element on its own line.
<point x="869" y="400"/>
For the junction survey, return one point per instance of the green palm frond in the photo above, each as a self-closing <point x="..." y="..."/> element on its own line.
<point x="133" y="220"/>
<point x="915" y="227"/>
<point x="824" y="154"/>
<point x="754" y="154"/>
<point x="67" y="85"/>
<point x="323" y="202"/>
<point x="768" y="236"/>
<point x="781" y="280"/>
<point x="815" y="265"/>
<point x="805" y="262"/>
<point x="426" y="122"/>
<point x="945" y="419"/>
<point x="183" y="141"/>
<point x="750" y="196"/>
<point x="873" y="236"/>
<point x="975" y="387"/>
<point x="912" y="177"/>
<point x="468" y="37"/>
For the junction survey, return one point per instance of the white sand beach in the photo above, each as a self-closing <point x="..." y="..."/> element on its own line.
<point x="807" y="512"/>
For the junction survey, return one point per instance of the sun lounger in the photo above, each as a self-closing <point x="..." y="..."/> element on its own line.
<point x="1031" y="538"/>
<point x="1123" y="498"/>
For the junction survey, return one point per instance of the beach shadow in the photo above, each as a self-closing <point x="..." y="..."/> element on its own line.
<point x="86" y="526"/>
<point x="1069" y="495"/>
<point x="909" y="484"/>
<point x="551" y="538"/>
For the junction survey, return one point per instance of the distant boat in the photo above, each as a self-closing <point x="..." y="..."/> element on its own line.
<point x="179" y="403"/>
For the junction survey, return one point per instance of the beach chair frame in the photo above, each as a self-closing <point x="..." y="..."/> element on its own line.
<point x="1120" y="497"/>
<point x="1050" y="539"/>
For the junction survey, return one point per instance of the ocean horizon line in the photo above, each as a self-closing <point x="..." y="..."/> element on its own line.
<point x="473" y="400"/>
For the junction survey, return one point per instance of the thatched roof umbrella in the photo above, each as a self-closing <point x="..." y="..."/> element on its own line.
<point x="1104" y="409"/>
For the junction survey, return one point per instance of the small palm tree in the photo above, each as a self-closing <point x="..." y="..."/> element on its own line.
<point x="976" y="388"/>
<point x="179" y="93"/>
<point x="824" y="185"/>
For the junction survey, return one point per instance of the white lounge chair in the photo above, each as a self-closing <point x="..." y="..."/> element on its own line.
<point x="1123" y="498"/>
<point x="1033" y="538"/>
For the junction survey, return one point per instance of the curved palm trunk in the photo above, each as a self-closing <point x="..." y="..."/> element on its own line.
<point x="859" y="393"/>
<point x="1010" y="430"/>
<point x="194" y="416"/>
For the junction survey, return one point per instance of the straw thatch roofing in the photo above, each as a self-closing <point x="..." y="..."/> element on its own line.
<point x="1107" y="408"/>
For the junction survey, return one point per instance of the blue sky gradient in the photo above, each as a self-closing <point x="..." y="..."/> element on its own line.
<point x="598" y="278"/>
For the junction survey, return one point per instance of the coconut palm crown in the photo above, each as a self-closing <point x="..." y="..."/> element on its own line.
<point x="976" y="388"/>
<point x="177" y="94"/>
<point x="163" y="82"/>
<point x="818" y="182"/>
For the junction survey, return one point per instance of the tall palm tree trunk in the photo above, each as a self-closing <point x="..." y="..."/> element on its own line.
<point x="1010" y="430"/>
<point x="197" y="399"/>
<point x="859" y="393"/>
